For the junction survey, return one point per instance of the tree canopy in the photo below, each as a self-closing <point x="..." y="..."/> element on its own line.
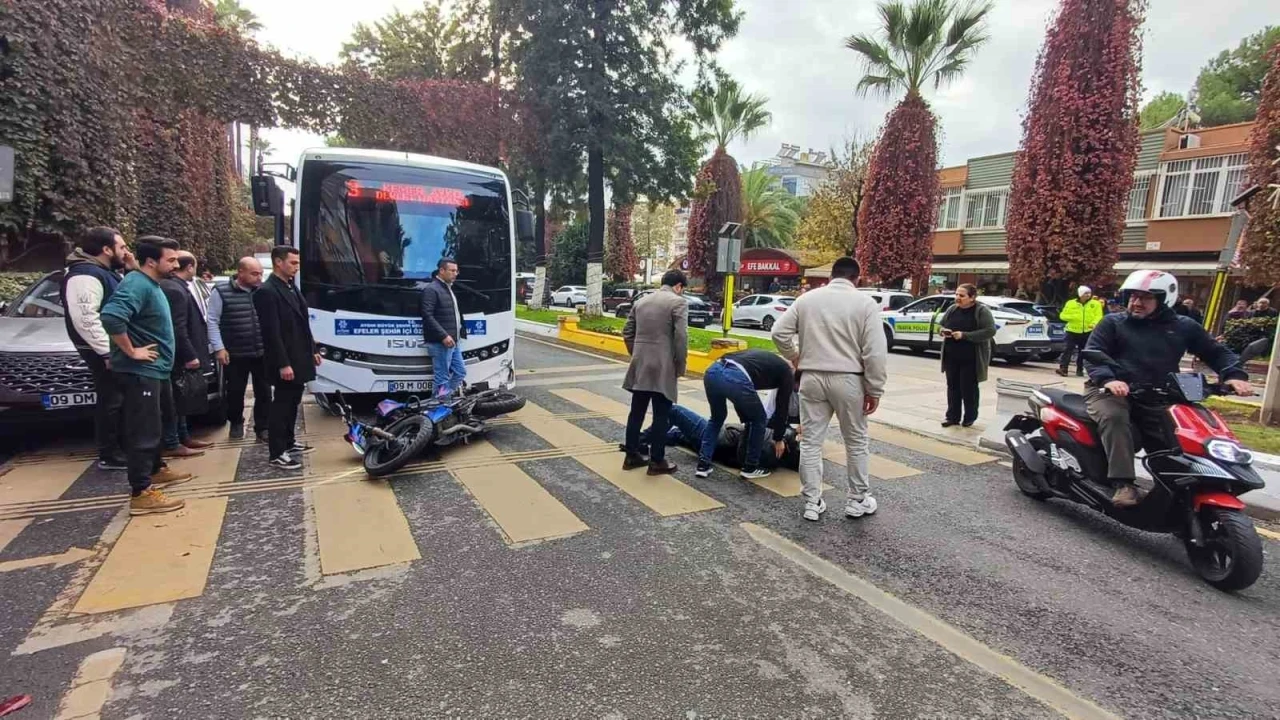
<point x="726" y="113"/>
<point x="770" y="214"/>
<point x="1229" y="86"/>
<point x="1073" y="173"/>
<point x="1160" y="109"/>
<point x="1260" y="254"/>
<point x="928" y="42"/>
<point x="829" y="228"/>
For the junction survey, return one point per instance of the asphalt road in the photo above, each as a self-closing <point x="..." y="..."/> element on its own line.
<point x="960" y="598"/>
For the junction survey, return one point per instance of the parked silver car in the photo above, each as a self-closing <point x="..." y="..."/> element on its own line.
<point x="42" y="377"/>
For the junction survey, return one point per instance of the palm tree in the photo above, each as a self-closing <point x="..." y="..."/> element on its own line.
<point x="229" y="14"/>
<point x="770" y="214"/>
<point x="929" y="42"/>
<point x="727" y="114"/>
<point x="724" y="115"/>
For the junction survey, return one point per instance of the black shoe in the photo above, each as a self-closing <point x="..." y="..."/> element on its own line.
<point x="1079" y="373"/>
<point x="666" y="467"/>
<point x="1061" y="371"/>
<point x="949" y="423"/>
<point x="703" y="470"/>
<point x="113" y="464"/>
<point x="300" y="449"/>
<point x="968" y="423"/>
<point x="261" y="436"/>
<point x="633" y="461"/>
<point x="237" y="431"/>
<point x="284" y="462"/>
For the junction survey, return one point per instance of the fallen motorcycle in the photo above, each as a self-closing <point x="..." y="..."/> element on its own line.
<point x="402" y="431"/>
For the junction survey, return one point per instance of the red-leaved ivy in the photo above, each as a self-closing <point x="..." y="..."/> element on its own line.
<point x="1260" y="254"/>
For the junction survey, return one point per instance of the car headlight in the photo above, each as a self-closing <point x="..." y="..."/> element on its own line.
<point x="1227" y="451"/>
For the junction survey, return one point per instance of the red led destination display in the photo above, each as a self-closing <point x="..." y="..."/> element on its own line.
<point x="402" y="193"/>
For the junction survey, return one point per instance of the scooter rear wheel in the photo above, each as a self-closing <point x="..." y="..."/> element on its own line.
<point x="412" y="435"/>
<point x="497" y="402"/>
<point x="1026" y="482"/>
<point x="1232" y="556"/>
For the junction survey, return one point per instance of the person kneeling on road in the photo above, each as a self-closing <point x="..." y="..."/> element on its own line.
<point x="1147" y="343"/>
<point x="688" y="429"/>
<point x="736" y="378"/>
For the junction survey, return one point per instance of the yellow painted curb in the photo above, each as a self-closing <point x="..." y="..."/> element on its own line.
<point x="697" y="362"/>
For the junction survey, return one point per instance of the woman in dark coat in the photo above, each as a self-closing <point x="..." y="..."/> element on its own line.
<point x="967" y="328"/>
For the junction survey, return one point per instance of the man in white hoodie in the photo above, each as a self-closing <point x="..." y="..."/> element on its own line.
<point x="92" y="274"/>
<point x="833" y="336"/>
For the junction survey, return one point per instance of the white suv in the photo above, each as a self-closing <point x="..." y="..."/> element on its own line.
<point x="570" y="295"/>
<point x="889" y="299"/>
<point x="1019" y="336"/>
<point x="760" y="311"/>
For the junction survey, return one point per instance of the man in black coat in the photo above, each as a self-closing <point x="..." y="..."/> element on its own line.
<point x="191" y="350"/>
<point x="289" y="354"/>
<point x="443" y="329"/>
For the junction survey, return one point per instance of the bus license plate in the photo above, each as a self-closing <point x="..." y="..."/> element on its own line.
<point x="59" y="401"/>
<point x="409" y="386"/>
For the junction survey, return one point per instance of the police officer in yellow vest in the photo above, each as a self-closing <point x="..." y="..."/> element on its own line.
<point x="1081" y="316"/>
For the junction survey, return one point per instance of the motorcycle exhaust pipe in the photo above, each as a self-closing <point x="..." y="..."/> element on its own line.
<point x="459" y="428"/>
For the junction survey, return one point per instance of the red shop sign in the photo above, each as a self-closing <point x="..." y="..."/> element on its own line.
<point x="770" y="266"/>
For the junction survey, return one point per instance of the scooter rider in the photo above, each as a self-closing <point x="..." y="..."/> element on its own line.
<point x="1147" y="341"/>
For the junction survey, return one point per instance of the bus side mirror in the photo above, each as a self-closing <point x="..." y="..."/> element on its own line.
<point x="268" y="198"/>
<point x="524" y="227"/>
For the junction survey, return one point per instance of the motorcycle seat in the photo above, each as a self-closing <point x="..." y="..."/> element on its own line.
<point x="1070" y="403"/>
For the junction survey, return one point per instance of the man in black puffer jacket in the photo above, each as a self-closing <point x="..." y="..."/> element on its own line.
<point x="1147" y="343"/>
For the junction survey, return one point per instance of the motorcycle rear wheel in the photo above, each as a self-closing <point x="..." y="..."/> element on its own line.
<point x="1232" y="556"/>
<point x="412" y="435"/>
<point x="1022" y="477"/>
<point x="497" y="402"/>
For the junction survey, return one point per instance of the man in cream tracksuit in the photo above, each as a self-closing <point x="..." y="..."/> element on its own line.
<point x="833" y="335"/>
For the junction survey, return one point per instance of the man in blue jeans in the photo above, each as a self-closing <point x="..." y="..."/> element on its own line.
<point x="443" y="329"/>
<point x="688" y="426"/>
<point x="736" y="378"/>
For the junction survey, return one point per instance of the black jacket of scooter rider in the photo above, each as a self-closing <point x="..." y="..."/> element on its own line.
<point x="1148" y="349"/>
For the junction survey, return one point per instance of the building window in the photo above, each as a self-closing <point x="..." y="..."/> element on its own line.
<point x="1138" y="194"/>
<point x="986" y="209"/>
<point x="1201" y="187"/>
<point x="791" y="184"/>
<point x="949" y="209"/>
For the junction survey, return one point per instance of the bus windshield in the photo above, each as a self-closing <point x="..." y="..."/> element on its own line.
<point x="371" y="236"/>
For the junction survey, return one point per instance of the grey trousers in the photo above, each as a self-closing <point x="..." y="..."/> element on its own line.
<point x="1117" y="420"/>
<point x="823" y="394"/>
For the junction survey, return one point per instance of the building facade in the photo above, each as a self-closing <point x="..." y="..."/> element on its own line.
<point x="1178" y="217"/>
<point x="799" y="172"/>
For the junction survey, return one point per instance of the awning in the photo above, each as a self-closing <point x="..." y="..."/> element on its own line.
<point x="1001" y="267"/>
<point x="822" y="271"/>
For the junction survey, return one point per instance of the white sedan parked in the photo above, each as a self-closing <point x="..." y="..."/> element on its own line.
<point x="570" y="295"/>
<point x="1019" y="336"/>
<point x="760" y="311"/>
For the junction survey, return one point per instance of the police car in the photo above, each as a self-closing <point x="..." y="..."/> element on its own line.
<point x="1020" y="336"/>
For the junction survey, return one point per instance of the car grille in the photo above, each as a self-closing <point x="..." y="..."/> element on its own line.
<point x="35" y="373"/>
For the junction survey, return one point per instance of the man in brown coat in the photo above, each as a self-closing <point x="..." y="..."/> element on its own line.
<point x="657" y="336"/>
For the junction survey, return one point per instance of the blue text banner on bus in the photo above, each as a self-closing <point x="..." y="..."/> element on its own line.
<point x="362" y="327"/>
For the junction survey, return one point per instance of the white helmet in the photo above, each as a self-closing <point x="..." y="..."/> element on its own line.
<point x="1157" y="282"/>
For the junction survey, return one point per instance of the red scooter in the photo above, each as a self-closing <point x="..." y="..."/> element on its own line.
<point x="1197" y="476"/>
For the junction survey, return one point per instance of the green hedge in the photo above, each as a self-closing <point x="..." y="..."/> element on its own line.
<point x="1239" y="333"/>
<point x="12" y="284"/>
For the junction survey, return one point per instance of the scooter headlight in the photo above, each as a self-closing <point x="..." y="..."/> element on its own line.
<point x="1227" y="451"/>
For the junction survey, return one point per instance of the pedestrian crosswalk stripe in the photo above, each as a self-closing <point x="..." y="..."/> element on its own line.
<point x="928" y="446"/>
<point x="45" y="481"/>
<point x="332" y="456"/>
<point x="880" y="467"/>
<point x="158" y="559"/>
<point x="360" y="525"/>
<point x="319" y="423"/>
<point x="215" y="467"/>
<point x="595" y="402"/>
<point x="10" y="529"/>
<point x="517" y="503"/>
<point x="564" y="369"/>
<point x="663" y="494"/>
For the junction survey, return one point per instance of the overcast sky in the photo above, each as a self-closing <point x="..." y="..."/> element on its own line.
<point x="797" y="59"/>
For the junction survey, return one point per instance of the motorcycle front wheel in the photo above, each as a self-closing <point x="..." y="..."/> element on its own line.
<point x="1231" y="558"/>
<point x="497" y="402"/>
<point x="412" y="435"/>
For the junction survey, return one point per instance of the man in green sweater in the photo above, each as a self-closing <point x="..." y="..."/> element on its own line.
<point x="142" y="348"/>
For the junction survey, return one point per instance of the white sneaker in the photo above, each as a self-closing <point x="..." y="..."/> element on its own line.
<point x="857" y="508"/>
<point x="814" y="510"/>
<point x="754" y="474"/>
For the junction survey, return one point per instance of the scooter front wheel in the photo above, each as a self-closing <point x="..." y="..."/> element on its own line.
<point x="1231" y="558"/>
<point x="411" y="434"/>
